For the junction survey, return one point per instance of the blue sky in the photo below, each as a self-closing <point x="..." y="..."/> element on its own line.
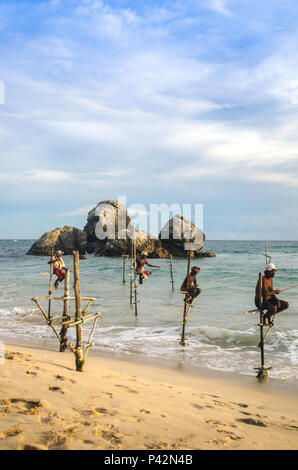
<point x="160" y="101"/>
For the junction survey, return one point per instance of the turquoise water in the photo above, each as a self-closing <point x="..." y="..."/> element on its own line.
<point x="219" y="335"/>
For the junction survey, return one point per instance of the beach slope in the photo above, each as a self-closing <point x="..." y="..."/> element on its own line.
<point x="46" y="404"/>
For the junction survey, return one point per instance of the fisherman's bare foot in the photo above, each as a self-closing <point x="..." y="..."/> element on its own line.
<point x="268" y="321"/>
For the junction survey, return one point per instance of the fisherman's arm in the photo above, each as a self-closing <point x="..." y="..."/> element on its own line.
<point x="152" y="265"/>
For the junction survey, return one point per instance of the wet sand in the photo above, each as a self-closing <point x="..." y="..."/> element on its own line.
<point x="46" y="404"/>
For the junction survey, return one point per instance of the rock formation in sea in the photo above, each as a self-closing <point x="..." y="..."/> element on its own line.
<point x="109" y="230"/>
<point x="178" y="231"/>
<point x="65" y="239"/>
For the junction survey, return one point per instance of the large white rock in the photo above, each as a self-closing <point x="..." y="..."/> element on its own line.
<point x="105" y="221"/>
<point x="181" y="229"/>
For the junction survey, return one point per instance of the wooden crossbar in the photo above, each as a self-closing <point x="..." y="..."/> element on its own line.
<point x="62" y="298"/>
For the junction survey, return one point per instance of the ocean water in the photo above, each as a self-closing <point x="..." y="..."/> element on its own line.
<point x="219" y="335"/>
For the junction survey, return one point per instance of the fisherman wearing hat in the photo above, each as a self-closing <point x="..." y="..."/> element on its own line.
<point x="270" y="301"/>
<point x="141" y="261"/>
<point x="58" y="267"/>
<point x="190" y="285"/>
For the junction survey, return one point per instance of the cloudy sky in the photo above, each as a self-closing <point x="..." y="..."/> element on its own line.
<point x="158" y="101"/>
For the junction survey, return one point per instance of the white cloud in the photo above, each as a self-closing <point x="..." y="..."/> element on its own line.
<point x="220" y="6"/>
<point x="96" y="130"/>
<point x="2" y="92"/>
<point x="79" y="211"/>
<point x="36" y="176"/>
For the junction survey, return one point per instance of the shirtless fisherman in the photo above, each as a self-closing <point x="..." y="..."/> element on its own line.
<point x="190" y="285"/>
<point x="270" y="301"/>
<point x="58" y="267"/>
<point x="141" y="261"/>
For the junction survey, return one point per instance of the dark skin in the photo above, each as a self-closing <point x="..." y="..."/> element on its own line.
<point x="268" y="290"/>
<point x="140" y="264"/>
<point x="190" y="285"/>
<point x="192" y="280"/>
<point x="143" y="260"/>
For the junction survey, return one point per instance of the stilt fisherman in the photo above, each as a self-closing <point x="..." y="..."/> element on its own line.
<point x="141" y="261"/>
<point x="270" y="302"/>
<point x="190" y="285"/>
<point x="58" y="267"/>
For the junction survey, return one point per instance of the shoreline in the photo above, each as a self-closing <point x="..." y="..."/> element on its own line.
<point x="118" y="404"/>
<point x="278" y="386"/>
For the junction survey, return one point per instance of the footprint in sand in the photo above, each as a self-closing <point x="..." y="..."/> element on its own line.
<point x="103" y="411"/>
<point x="230" y="434"/>
<point x="127" y="389"/>
<point x="11" y="355"/>
<point x="60" y="377"/>
<point x="145" y="411"/>
<point x="109" y="433"/>
<point x="252" y="421"/>
<point x="198" y="407"/>
<point x="30" y="447"/>
<point x="87" y="441"/>
<point x="95" y="412"/>
<point x="31" y="372"/>
<point x="53" y="440"/>
<point x="22" y="406"/>
<point x="56" y="389"/>
<point x="10" y="432"/>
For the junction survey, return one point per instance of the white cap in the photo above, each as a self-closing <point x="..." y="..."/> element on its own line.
<point x="144" y="253"/>
<point x="271" y="267"/>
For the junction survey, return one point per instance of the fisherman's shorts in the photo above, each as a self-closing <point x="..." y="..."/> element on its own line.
<point x="60" y="274"/>
<point x="273" y="305"/>
<point x="194" y="292"/>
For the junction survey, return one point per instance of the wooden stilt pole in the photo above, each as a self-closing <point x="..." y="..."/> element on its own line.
<point x="78" y="317"/>
<point x="123" y="269"/>
<point x="135" y="278"/>
<point x="262" y="374"/>
<point x="131" y="271"/>
<point x="63" y="332"/>
<point x="171" y="271"/>
<point x="182" y="342"/>
<point x="50" y="283"/>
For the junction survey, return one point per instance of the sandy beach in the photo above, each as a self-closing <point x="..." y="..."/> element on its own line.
<point x="46" y="404"/>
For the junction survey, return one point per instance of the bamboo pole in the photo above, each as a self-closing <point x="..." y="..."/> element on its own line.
<point x="135" y="278"/>
<point x="171" y="271"/>
<point x="261" y="322"/>
<point x="78" y="349"/>
<point x="90" y="338"/>
<point x="82" y="320"/>
<point x="62" y="298"/>
<point x="185" y="312"/>
<point x="262" y="374"/>
<point x="50" y="283"/>
<point x="131" y="271"/>
<point x="63" y="332"/>
<point x="123" y="269"/>
<point x="288" y="288"/>
<point x="49" y="321"/>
